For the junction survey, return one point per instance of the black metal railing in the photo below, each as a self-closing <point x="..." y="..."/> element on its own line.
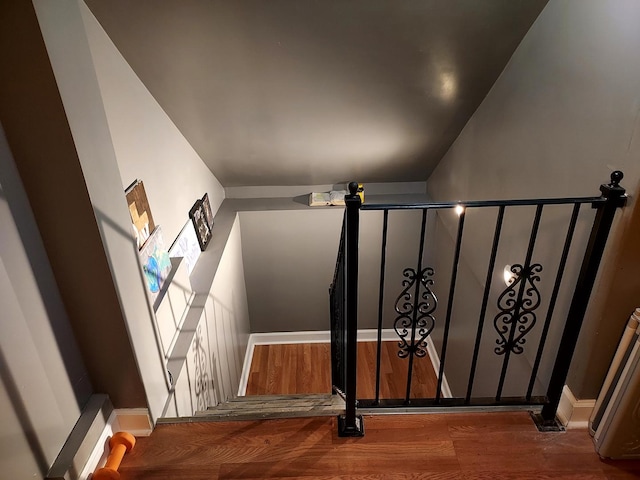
<point x="344" y="319"/>
<point x="337" y="296"/>
<point x="515" y="312"/>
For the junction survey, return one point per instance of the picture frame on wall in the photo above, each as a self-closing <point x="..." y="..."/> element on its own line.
<point x="207" y="210"/>
<point x="199" y="218"/>
<point x="155" y="262"/>
<point x="141" y="218"/>
<point x="187" y="246"/>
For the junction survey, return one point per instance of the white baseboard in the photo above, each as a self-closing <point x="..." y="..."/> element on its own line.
<point x="324" y="336"/>
<point x="435" y="361"/>
<point x="574" y="413"/>
<point x="135" y="421"/>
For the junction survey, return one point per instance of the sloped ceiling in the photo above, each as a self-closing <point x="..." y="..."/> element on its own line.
<point x="304" y="92"/>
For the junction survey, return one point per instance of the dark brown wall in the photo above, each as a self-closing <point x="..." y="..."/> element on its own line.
<point x="38" y="133"/>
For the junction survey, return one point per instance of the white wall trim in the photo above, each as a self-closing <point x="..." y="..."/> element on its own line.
<point x="384" y="188"/>
<point x="324" y="336"/>
<point x="135" y="421"/>
<point x="435" y="361"/>
<point x="574" y="413"/>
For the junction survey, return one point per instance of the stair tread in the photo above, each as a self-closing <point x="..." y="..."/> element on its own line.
<point x="280" y="404"/>
<point x="231" y="417"/>
<point x="298" y="403"/>
<point x="271" y="409"/>
<point x="261" y="407"/>
<point x="272" y="406"/>
<point x="280" y="397"/>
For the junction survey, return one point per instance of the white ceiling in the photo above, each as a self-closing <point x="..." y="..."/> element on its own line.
<point x="304" y="92"/>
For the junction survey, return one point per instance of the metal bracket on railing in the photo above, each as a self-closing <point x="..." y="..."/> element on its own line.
<point x="339" y="392"/>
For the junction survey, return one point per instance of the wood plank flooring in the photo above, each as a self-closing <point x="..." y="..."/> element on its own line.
<point x="306" y="368"/>
<point x="479" y="446"/>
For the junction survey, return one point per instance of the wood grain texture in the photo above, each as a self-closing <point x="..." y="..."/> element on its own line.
<point x="479" y="446"/>
<point x="306" y="368"/>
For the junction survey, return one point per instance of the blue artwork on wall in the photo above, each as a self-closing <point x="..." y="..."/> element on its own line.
<point x="155" y="261"/>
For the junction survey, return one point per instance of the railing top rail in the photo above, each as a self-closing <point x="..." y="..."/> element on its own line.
<point x="484" y="203"/>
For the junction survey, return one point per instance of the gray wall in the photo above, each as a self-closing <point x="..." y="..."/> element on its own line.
<point x="46" y="157"/>
<point x="147" y="144"/>
<point x="560" y="118"/>
<point x="42" y="375"/>
<point x="74" y="115"/>
<point x="120" y="134"/>
<point x="289" y="257"/>
<point x="289" y="261"/>
<point x="214" y="360"/>
<point x="129" y="323"/>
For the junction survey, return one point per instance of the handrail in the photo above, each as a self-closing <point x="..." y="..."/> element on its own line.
<point x="484" y="203"/>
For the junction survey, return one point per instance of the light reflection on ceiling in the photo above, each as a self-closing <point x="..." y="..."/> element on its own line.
<point x="303" y="92"/>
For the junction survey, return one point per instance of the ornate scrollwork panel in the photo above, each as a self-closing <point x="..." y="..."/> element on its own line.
<point x="517" y="305"/>
<point x="412" y="313"/>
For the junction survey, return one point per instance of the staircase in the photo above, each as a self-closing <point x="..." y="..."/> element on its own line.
<point x="263" y="407"/>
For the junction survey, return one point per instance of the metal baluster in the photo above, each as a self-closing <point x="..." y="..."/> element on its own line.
<point x="416" y="301"/>
<point x="554" y="297"/>
<point x="383" y="257"/>
<point x="452" y="289"/>
<point x="518" y="306"/>
<point x="485" y="301"/>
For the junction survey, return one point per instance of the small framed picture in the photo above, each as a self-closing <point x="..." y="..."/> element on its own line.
<point x="141" y="218"/>
<point x="207" y="210"/>
<point x="199" y="219"/>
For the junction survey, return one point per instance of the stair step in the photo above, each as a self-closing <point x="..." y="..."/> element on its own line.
<point x="268" y="407"/>
<point x="267" y="404"/>
<point x="279" y="407"/>
<point x="306" y="396"/>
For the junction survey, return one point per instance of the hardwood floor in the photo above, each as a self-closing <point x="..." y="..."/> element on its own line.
<point x="478" y="446"/>
<point x="306" y="368"/>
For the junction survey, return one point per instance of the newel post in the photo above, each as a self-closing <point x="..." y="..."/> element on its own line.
<point x="350" y="424"/>
<point x="615" y="198"/>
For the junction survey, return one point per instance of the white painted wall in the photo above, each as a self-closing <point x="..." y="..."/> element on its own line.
<point x="63" y="30"/>
<point x="562" y="116"/>
<point x="44" y="382"/>
<point x="290" y="257"/>
<point x="147" y="145"/>
<point x="122" y="134"/>
<point x="213" y="365"/>
<point x="227" y="314"/>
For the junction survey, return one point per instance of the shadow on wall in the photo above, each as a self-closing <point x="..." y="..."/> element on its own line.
<point x="106" y="226"/>
<point x="223" y="337"/>
<point x="213" y="362"/>
<point x="44" y="380"/>
<point x="22" y="415"/>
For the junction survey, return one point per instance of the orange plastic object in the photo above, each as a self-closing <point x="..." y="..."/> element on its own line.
<point x="120" y="443"/>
